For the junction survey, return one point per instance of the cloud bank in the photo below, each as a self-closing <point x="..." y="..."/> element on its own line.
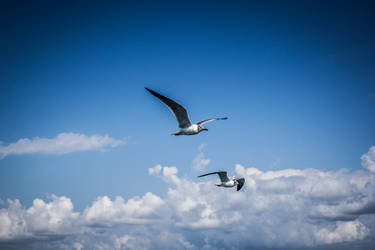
<point x="288" y="208"/>
<point x="63" y="143"/>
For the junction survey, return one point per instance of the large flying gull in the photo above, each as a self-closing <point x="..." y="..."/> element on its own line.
<point x="186" y="127"/>
<point x="226" y="182"/>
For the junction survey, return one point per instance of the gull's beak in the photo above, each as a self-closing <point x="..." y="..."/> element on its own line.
<point x="205" y="129"/>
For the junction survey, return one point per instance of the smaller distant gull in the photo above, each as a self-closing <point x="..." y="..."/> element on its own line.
<point x="186" y="127"/>
<point x="226" y="182"/>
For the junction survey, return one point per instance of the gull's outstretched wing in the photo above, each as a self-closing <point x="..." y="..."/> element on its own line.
<point x="210" y="120"/>
<point x="178" y="111"/>
<point x="222" y="174"/>
<point x="240" y="184"/>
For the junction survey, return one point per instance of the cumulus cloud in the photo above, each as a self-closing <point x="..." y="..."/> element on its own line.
<point x="136" y="210"/>
<point x="368" y="160"/>
<point x="77" y="246"/>
<point x="122" y="242"/>
<point x="38" y="221"/>
<point x="200" y="161"/>
<point x="275" y="209"/>
<point x="168" y="174"/>
<point x="63" y="143"/>
<point x="343" y="231"/>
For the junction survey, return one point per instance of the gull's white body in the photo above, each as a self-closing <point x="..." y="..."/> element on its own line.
<point x="230" y="183"/>
<point x="193" y="129"/>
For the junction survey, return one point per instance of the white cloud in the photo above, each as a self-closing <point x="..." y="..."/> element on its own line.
<point x="287" y="208"/>
<point x="343" y="232"/>
<point x="202" y="146"/>
<point x="155" y="170"/>
<point x="136" y="210"/>
<point x="55" y="217"/>
<point x="168" y="174"/>
<point x="121" y="242"/>
<point x="368" y="160"/>
<point x="63" y="143"/>
<point x="200" y="161"/>
<point x="77" y="246"/>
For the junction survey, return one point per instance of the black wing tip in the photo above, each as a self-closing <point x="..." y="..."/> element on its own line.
<point x="224" y="118"/>
<point x="205" y="175"/>
<point x="240" y="184"/>
<point x="217" y="172"/>
<point x="202" y="175"/>
<point x="154" y="93"/>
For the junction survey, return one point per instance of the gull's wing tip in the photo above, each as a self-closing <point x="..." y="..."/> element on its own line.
<point x="224" y="118"/>
<point x="240" y="184"/>
<point x="206" y="174"/>
<point x="218" y="172"/>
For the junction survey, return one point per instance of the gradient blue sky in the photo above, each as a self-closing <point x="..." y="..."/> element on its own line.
<point x="296" y="81"/>
<point x="295" y="78"/>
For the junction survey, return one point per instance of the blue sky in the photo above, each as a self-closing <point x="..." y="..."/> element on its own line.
<point x="295" y="79"/>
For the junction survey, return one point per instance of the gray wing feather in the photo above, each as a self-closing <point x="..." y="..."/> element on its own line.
<point x="211" y="120"/>
<point x="178" y="111"/>
<point x="222" y="174"/>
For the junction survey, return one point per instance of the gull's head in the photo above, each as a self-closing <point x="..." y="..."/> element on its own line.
<point x="202" y="129"/>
